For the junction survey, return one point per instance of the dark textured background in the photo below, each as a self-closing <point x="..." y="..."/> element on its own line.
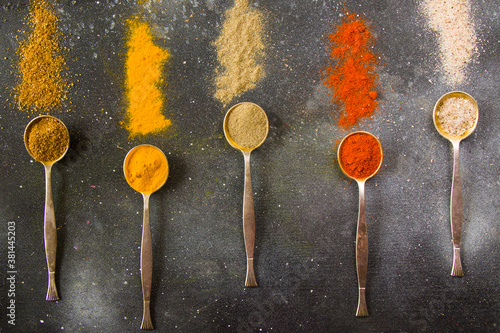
<point x="306" y="209"/>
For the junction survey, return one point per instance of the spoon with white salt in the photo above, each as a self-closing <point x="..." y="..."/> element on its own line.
<point x="455" y="118"/>
<point x="246" y="127"/>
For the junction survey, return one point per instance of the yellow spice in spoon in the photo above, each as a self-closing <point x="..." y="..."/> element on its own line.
<point x="146" y="169"/>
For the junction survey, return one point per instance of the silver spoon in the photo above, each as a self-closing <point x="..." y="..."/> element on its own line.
<point x="456" y="205"/>
<point x="248" y="207"/>
<point x="362" y="233"/>
<point x="146" y="246"/>
<point x="50" y="232"/>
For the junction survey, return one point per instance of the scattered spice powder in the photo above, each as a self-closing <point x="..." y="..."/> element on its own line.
<point x="240" y="51"/>
<point x="456" y="115"/>
<point x="247" y="125"/>
<point x="360" y="155"/>
<point x="42" y="84"/>
<point x="47" y="139"/>
<point x="146" y="168"/>
<point x="144" y="64"/>
<point x="451" y="20"/>
<point x="351" y="75"/>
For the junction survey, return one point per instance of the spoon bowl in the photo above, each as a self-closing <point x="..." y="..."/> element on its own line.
<point x="362" y="232"/>
<point x="456" y="204"/>
<point x="59" y="145"/>
<point x="438" y="125"/>
<point x="247" y="132"/>
<point x="146" y="187"/>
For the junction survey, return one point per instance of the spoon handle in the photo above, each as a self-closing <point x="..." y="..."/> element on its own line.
<point x="249" y="223"/>
<point x="146" y="266"/>
<point x="362" y="252"/>
<point x="50" y="235"/>
<point x="456" y="212"/>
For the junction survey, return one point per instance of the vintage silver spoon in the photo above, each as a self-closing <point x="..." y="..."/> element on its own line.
<point x="456" y="205"/>
<point x="248" y="207"/>
<point x="50" y="232"/>
<point x="362" y="232"/>
<point x="146" y="246"/>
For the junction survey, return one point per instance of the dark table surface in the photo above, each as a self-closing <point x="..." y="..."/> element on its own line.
<point x="306" y="209"/>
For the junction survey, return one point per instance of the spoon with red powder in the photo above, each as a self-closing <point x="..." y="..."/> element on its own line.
<point x="360" y="157"/>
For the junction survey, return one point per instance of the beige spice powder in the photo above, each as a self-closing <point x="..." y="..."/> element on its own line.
<point x="456" y="115"/>
<point x="247" y="125"/>
<point x="452" y="21"/>
<point x="240" y="51"/>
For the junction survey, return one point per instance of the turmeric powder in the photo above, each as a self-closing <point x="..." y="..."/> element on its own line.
<point x="143" y="66"/>
<point x="145" y="168"/>
<point x="42" y="84"/>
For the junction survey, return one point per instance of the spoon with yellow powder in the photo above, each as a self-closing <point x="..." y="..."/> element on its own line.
<point x="246" y="127"/>
<point x="455" y="118"/>
<point x="146" y="171"/>
<point x="47" y="140"/>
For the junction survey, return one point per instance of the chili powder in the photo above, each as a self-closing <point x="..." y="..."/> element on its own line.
<point x="351" y="74"/>
<point x="360" y="155"/>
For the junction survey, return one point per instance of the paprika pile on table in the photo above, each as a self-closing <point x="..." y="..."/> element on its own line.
<point x="351" y="74"/>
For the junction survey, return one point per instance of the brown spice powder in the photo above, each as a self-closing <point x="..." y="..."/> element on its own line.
<point x="456" y="115"/>
<point x="42" y="85"/>
<point x="47" y="139"/>
<point x="247" y="125"/>
<point x="240" y="51"/>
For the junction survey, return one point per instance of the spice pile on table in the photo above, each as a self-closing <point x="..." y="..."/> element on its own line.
<point x="42" y="84"/>
<point x="143" y="70"/>
<point x="240" y="51"/>
<point x="351" y="74"/>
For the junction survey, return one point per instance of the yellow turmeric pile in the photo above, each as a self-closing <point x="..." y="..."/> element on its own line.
<point x="144" y="63"/>
<point x="41" y="64"/>
<point x="146" y="168"/>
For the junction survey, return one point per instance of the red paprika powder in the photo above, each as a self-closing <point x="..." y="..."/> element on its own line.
<point x="360" y="155"/>
<point x="351" y="74"/>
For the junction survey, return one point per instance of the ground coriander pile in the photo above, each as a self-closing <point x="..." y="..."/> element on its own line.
<point x="240" y="51"/>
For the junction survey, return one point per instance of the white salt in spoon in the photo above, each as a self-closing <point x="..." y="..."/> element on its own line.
<point x="456" y="205"/>
<point x="248" y="207"/>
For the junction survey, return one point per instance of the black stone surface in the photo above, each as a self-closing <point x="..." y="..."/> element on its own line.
<point x="306" y="209"/>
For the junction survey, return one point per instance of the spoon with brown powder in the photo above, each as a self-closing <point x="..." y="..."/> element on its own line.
<point x="246" y="127"/>
<point x="47" y="140"/>
<point x="455" y="118"/>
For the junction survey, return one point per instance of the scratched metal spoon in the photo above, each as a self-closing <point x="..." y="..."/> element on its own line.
<point x="146" y="246"/>
<point x="456" y="205"/>
<point x="50" y="232"/>
<point x="248" y="207"/>
<point x="362" y="233"/>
